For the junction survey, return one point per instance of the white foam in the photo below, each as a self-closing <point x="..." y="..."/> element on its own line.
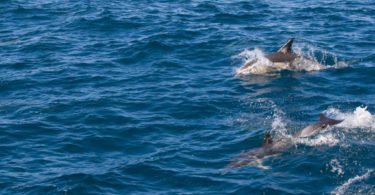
<point x="344" y="187"/>
<point x="328" y="139"/>
<point x="359" y="118"/>
<point x="304" y="64"/>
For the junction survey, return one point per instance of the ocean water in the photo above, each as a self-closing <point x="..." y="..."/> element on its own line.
<point x="142" y="97"/>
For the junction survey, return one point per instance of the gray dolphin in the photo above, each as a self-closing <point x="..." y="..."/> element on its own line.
<point x="269" y="147"/>
<point x="283" y="59"/>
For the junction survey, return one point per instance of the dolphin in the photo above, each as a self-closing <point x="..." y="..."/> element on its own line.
<point x="254" y="157"/>
<point x="283" y="59"/>
<point x="323" y="122"/>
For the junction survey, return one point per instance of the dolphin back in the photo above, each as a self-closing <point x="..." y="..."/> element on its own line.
<point x="324" y="120"/>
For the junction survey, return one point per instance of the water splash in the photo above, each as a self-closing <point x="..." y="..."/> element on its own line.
<point x="262" y="65"/>
<point x="278" y="124"/>
<point x="359" y="118"/>
<point x="328" y="139"/>
<point x="319" y="56"/>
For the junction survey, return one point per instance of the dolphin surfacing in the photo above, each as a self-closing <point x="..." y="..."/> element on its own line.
<point x="314" y="128"/>
<point x="283" y="59"/>
<point x="254" y="157"/>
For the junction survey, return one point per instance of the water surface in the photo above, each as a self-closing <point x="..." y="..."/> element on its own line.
<point x="120" y="97"/>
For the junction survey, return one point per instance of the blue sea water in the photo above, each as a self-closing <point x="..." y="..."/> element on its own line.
<point x="141" y="97"/>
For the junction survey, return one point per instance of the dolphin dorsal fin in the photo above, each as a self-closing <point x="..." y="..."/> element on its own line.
<point x="328" y="121"/>
<point x="287" y="47"/>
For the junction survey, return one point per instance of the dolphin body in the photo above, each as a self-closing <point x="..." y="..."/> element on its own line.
<point x="269" y="147"/>
<point x="283" y="59"/>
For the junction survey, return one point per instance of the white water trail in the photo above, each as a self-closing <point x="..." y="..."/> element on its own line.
<point x="344" y="187"/>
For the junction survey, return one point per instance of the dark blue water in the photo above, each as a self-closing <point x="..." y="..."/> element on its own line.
<point x="117" y="97"/>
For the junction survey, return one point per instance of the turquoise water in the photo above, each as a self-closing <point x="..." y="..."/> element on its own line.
<point x="142" y="97"/>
